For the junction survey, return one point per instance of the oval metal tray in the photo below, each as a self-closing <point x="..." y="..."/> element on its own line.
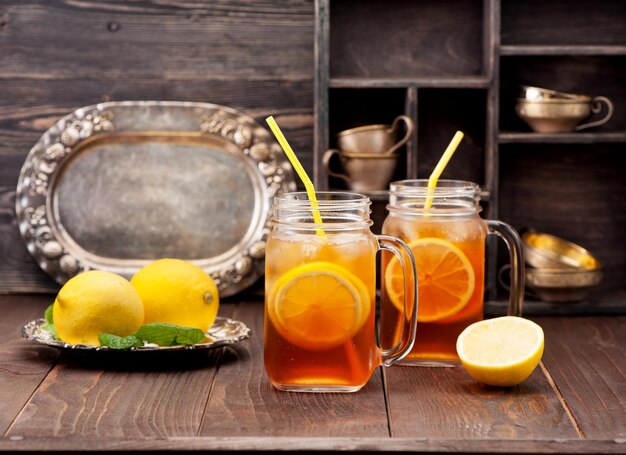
<point x="223" y="332"/>
<point x="116" y="185"/>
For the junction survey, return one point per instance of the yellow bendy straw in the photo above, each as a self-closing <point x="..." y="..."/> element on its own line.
<point x="308" y="185"/>
<point x="441" y="165"/>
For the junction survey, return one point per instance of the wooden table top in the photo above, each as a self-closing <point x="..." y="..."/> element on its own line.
<point x="221" y="400"/>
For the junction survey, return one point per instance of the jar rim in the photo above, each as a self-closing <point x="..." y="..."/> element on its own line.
<point x="444" y="188"/>
<point x="339" y="210"/>
<point x="326" y="200"/>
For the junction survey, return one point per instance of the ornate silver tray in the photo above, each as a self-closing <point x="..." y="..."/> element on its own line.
<point x="223" y="332"/>
<point x="116" y="185"/>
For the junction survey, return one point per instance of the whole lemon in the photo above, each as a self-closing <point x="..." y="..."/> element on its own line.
<point x="177" y="292"/>
<point x="96" y="302"/>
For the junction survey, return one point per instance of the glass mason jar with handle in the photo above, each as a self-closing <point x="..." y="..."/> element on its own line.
<point x="320" y="294"/>
<point x="443" y="228"/>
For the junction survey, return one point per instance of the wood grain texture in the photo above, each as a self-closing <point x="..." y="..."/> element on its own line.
<point x="579" y="22"/>
<point x="447" y="403"/>
<point x="243" y="402"/>
<point x="122" y="395"/>
<point x="400" y="38"/>
<point x="308" y="445"/>
<point x="153" y="39"/>
<point x="586" y="358"/>
<point x="23" y="365"/>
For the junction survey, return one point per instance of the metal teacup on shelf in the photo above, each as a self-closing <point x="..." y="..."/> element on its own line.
<point x="550" y="111"/>
<point x="368" y="154"/>
<point x="375" y="139"/>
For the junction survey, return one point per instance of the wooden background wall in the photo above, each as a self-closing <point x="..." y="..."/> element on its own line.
<point x="58" y="55"/>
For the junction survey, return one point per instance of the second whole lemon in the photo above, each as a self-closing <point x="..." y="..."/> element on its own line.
<point x="96" y="302"/>
<point x="177" y="292"/>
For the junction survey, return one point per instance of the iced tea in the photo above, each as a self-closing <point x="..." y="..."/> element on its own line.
<point x="320" y="295"/>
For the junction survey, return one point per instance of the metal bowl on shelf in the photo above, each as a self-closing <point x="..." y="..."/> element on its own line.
<point x="560" y="270"/>
<point x="548" y="251"/>
<point x="561" y="284"/>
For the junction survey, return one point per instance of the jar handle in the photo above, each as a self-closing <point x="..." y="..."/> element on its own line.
<point x="407" y="262"/>
<point x="516" y="259"/>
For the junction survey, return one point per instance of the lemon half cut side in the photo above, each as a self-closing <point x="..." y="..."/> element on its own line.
<point x="501" y="351"/>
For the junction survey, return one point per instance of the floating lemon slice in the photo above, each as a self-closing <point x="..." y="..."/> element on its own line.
<point x="445" y="279"/>
<point x="501" y="351"/>
<point x="319" y="305"/>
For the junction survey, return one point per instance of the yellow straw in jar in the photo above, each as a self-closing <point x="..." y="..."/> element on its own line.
<point x="441" y="165"/>
<point x="308" y="185"/>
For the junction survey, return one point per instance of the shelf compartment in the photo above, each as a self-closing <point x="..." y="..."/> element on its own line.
<point x="511" y="137"/>
<point x="573" y="191"/>
<point x="351" y="108"/>
<point x="420" y="82"/>
<point x="544" y="49"/>
<point x="441" y="112"/>
<point x="376" y="39"/>
<point x="589" y="75"/>
<point x="575" y="22"/>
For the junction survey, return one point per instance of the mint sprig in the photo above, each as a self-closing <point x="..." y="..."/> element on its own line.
<point x="49" y="325"/>
<point x="159" y="333"/>
<point x="165" y="334"/>
<point x="117" y="342"/>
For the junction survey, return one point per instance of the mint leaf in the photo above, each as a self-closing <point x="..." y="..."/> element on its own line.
<point x="165" y="334"/>
<point x="117" y="342"/>
<point x="49" y="325"/>
<point x="48" y="314"/>
<point x="50" y="328"/>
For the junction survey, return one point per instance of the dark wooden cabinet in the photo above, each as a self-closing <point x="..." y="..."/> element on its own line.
<point x="458" y="65"/>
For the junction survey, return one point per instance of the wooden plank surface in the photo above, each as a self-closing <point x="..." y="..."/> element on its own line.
<point x="243" y="402"/>
<point x="154" y="39"/>
<point x="315" y="445"/>
<point x="586" y="358"/>
<point x="445" y="402"/>
<point x="184" y="405"/>
<point x="23" y="365"/>
<point x="122" y="395"/>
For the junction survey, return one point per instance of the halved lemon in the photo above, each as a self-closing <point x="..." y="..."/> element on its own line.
<point x="445" y="279"/>
<point x="319" y="305"/>
<point x="501" y="351"/>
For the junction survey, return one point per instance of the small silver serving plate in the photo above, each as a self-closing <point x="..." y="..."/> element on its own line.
<point x="224" y="332"/>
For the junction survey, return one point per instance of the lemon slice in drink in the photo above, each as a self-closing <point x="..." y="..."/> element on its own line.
<point x="319" y="305"/>
<point x="445" y="279"/>
<point x="502" y="351"/>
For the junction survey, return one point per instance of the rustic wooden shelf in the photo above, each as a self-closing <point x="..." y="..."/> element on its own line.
<point x="511" y="137"/>
<point x="546" y="49"/>
<point x="404" y="82"/>
<point x="471" y="84"/>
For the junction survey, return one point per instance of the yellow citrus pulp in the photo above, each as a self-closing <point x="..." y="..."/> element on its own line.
<point x="96" y="302"/>
<point x="445" y="279"/>
<point x="319" y="305"/>
<point x="177" y="292"/>
<point x="501" y="351"/>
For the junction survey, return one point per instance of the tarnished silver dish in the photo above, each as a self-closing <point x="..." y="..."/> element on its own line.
<point x="116" y="185"/>
<point x="224" y="332"/>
